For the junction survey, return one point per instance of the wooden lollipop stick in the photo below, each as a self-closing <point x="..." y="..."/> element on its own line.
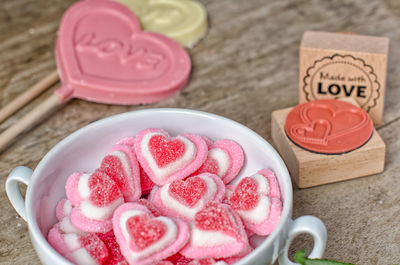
<point x="29" y="120"/>
<point x="28" y="95"/>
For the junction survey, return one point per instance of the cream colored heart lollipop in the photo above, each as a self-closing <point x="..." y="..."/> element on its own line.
<point x="182" y="20"/>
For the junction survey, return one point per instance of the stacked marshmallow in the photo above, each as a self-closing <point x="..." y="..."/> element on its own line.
<point x="157" y="199"/>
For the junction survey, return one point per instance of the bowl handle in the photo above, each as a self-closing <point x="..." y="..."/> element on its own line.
<point x="19" y="174"/>
<point x="310" y="225"/>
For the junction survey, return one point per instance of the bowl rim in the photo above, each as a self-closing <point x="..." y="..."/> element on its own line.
<point x="38" y="237"/>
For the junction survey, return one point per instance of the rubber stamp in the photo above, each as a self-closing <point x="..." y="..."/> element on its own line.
<point x="336" y="65"/>
<point x="326" y="141"/>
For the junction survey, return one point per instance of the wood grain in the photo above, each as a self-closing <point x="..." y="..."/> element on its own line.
<point x="336" y="65"/>
<point x="310" y="169"/>
<point x="246" y="67"/>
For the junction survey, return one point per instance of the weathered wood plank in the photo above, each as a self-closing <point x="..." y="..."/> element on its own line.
<point x="246" y="67"/>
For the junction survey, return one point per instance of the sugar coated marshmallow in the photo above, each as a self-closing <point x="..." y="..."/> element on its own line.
<point x="115" y="256"/>
<point x="86" y="249"/>
<point x="162" y="200"/>
<point x="225" y="158"/>
<point x="257" y="200"/>
<point x="145" y="182"/>
<point x="184" y="198"/>
<point x="94" y="198"/>
<point x="63" y="211"/>
<point x="145" y="239"/>
<point x="166" y="158"/>
<point x="122" y="166"/>
<point x="216" y="232"/>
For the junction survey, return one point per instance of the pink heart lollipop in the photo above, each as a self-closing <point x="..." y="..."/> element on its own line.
<point x="103" y="56"/>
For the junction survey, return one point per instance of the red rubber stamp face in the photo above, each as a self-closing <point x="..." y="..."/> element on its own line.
<point x="328" y="126"/>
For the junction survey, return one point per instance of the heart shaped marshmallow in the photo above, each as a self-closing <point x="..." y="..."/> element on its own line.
<point x="122" y="166"/>
<point x="184" y="198"/>
<point x="145" y="182"/>
<point x="85" y="249"/>
<point x="166" y="159"/>
<point x="145" y="239"/>
<point x="94" y="198"/>
<point x="215" y="232"/>
<point x="257" y="201"/>
<point x="225" y="159"/>
<point x="115" y="256"/>
<point x="63" y="211"/>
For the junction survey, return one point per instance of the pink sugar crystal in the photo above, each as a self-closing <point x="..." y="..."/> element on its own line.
<point x="210" y="166"/>
<point x="113" y="167"/>
<point x="245" y="197"/>
<point x="115" y="256"/>
<point x="145" y="231"/>
<point x="215" y="217"/>
<point x="103" y="189"/>
<point x="165" y="150"/>
<point x="188" y="191"/>
<point x="95" y="247"/>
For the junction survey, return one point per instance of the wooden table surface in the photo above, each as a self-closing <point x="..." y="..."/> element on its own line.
<point x="246" y="67"/>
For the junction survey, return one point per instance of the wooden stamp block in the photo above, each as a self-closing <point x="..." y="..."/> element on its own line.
<point x="335" y="65"/>
<point x="311" y="169"/>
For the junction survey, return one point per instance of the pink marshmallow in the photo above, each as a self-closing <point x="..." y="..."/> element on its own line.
<point x="115" y="256"/>
<point x="178" y="259"/>
<point x="216" y="232"/>
<point x="56" y="240"/>
<point x="63" y="209"/>
<point x="71" y="188"/>
<point x="63" y="212"/>
<point x="184" y="198"/>
<point x="145" y="182"/>
<point x="145" y="239"/>
<point x="80" y="249"/>
<point x="96" y="197"/>
<point x="166" y="159"/>
<point x="257" y="201"/>
<point x="129" y="141"/>
<point x="150" y="206"/>
<point x="121" y="165"/>
<point x="225" y="158"/>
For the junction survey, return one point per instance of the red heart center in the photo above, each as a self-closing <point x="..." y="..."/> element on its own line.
<point x="115" y="256"/>
<point x="112" y="166"/>
<point x="245" y="197"/>
<point x="188" y="191"/>
<point x="95" y="246"/>
<point x="209" y="166"/>
<point x="214" y="217"/>
<point x="103" y="189"/>
<point x="164" y="150"/>
<point x="145" y="231"/>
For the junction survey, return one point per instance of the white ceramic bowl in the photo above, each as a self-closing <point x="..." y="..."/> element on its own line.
<point x="84" y="150"/>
